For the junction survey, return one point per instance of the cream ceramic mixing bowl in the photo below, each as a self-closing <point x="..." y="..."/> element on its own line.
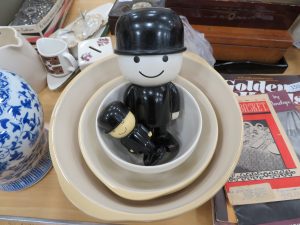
<point x="186" y="130"/>
<point x="138" y="186"/>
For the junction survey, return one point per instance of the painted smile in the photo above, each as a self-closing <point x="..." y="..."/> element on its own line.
<point x="152" y="76"/>
<point x="125" y="130"/>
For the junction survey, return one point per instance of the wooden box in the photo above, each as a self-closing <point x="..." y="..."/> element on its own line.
<point x="246" y="44"/>
<point x="271" y="14"/>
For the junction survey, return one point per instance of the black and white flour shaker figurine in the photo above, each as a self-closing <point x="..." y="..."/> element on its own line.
<point x="116" y="120"/>
<point x="149" y="45"/>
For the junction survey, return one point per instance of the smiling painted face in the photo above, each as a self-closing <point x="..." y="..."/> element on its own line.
<point x="150" y="70"/>
<point x="125" y="127"/>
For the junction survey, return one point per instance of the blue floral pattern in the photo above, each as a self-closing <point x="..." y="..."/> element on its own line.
<point x="21" y="125"/>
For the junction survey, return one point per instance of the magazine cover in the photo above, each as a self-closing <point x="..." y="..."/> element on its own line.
<point x="289" y="117"/>
<point x="268" y="169"/>
<point x="243" y="85"/>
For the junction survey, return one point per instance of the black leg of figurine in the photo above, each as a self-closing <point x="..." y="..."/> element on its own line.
<point x="155" y="157"/>
<point x="161" y="137"/>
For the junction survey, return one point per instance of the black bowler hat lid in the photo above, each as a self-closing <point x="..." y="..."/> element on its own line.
<point x="149" y="31"/>
<point x="112" y="115"/>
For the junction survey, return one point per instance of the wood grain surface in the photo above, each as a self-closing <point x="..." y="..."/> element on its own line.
<point x="45" y="201"/>
<point x="241" y="44"/>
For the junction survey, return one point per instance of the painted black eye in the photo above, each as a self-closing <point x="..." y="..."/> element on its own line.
<point x="136" y="59"/>
<point x="165" y="58"/>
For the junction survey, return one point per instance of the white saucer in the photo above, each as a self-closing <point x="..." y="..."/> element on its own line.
<point x="55" y="83"/>
<point x="91" y="196"/>
<point x="135" y="186"/>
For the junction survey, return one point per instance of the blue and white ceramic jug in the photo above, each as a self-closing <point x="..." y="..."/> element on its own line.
<point x="24" y="155"/>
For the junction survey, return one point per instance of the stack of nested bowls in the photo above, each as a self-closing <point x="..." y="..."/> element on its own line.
<point x="97" y="176"/>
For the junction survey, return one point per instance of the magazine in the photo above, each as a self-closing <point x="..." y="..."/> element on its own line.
<point x="268" y="169"/>
<point x="223" y="212"/>
<point x="271" y="213"/>
<point x="244" y="85"/>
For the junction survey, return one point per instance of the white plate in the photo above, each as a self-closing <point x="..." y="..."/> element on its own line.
<point x="90" y="195"/>
<point x="136" y="186"/>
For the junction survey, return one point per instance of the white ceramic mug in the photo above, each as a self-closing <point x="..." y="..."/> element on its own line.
<point x="17" y="55"/>
<point x="56" y="56"/>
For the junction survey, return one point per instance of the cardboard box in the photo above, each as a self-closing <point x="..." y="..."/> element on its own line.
<point x="51" y="22"/>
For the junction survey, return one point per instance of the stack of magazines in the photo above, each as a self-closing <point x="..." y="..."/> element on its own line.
<point x="265" y="185"/>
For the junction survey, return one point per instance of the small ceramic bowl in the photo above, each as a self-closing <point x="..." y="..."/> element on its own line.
<point x="186" y="130"/>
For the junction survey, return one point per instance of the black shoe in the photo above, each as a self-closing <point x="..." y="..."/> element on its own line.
<point x="170" y="144"/>
<point x="154" y="158"/>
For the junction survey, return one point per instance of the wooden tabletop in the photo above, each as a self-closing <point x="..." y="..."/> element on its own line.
<point x="45" y="201"/>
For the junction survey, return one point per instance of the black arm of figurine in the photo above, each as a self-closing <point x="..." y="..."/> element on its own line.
<point x="175" y="101"/>
<point x="147" y="132"/>
<point x="129" y="98"/>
